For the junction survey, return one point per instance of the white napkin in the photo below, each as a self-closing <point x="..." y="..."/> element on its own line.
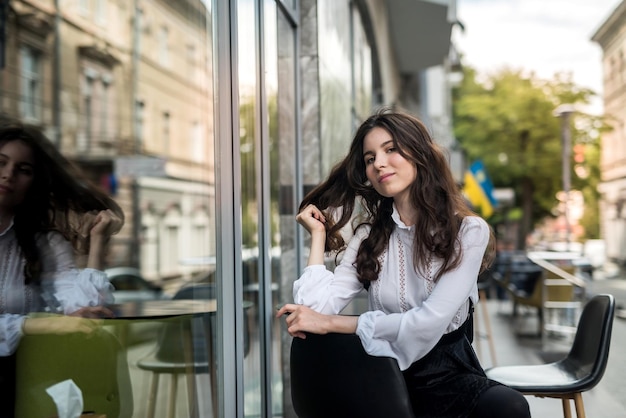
<point x="68" y="398"/>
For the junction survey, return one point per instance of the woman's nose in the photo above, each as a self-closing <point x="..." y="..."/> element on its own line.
<point x="6" y="171"/>
<point x="380" y="161"/>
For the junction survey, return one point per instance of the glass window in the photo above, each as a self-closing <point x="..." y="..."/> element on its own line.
<point x="30" y="60"/>
<point x="138" y="118"/>
<point x="164" y="51"/>
<point x="280" y="86"/>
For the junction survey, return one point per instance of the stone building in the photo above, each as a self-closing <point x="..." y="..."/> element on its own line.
<point x="611" y="36"/>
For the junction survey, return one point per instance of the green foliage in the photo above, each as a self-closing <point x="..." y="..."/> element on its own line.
<point x="507" y="120"/>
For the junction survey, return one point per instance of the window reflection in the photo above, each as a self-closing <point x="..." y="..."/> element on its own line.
<point x="106" y="84"/>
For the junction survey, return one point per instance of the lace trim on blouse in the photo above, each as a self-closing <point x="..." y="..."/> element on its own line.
<point x="402" y="276"/>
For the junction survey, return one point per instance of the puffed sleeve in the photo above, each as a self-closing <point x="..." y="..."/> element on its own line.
<point x="10" y="333"/>
<point x="73" y="288"/>
<point x="329" y="292"/>
<point x="409" y="336"/>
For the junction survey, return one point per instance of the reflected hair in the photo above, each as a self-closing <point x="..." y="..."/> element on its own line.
<point x="57" y="200"/>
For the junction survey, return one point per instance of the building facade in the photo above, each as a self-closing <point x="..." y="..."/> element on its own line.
<point x="611" y="36"/>
<point x="209" y="121"/>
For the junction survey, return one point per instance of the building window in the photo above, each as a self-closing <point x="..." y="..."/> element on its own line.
<point x="87" y="93"/>
<point x="164" y="53"/>
<point x="191" y="62"/>
<point x="197" y="144"/>
<point x="101" y="11"/>
<point x="83" y="7"/>
<point x="166" y="132"/>
<point x="140" y="109"/>
<point x="30" y="60"/>
<point x="96" y="100"/>
<point x="105" y="123"/>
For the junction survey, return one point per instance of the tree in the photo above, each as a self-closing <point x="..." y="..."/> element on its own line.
<point x="506" y="119"/>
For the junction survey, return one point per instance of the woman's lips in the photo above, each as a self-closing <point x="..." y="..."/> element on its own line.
<point x="384" y="177"/>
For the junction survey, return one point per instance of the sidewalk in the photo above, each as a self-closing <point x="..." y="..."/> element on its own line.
<point x="512" y="349"/>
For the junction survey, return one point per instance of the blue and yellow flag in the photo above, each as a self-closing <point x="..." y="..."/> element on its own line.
<point x="478" y="189"/>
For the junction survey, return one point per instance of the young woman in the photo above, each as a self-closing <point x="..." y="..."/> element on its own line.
<point x="48" y="214"/>
<point x="418" y="250"/>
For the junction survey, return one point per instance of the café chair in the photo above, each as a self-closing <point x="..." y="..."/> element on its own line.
<point x="579" y="371"/>
<point x="333" y="377"/>
<point x="96" y="363"/>
<point x="183" y="348"/>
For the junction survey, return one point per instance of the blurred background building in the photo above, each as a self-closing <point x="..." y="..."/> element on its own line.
<point x="611" y="36"/>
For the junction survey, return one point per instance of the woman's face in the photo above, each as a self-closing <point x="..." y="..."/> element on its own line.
<point x="17" y="172"/>
<point x="389" y="172"/>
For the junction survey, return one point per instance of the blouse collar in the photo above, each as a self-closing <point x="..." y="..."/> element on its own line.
<point x="395" y="215"/>
<point x="2" y="233"/>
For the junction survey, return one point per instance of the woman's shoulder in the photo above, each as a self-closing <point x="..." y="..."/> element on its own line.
<point x="475" y="228"/>
<point x="53" y="243"/>
<point x="474" y="221"/>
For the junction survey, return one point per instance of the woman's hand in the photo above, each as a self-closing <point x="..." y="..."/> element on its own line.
<point x="312" y="219"/>
<point x="93" y="312"/>
<point x="301" y="319"/>
<point x="105" y="224"/>
<point x="60" y="325"/>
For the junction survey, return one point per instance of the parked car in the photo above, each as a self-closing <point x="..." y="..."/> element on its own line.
<point x="131" y="286"/>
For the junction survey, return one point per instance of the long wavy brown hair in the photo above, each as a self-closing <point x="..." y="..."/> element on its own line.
<point x="57" y="200"/>
<point x="436" y="196"/>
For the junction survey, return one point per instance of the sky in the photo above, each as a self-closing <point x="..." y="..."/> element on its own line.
<point x="543" y="36"/>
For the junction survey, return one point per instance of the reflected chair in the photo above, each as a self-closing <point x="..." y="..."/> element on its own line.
<point x="96" y="363"/>
<point x="184" y="347"/>
<point x="333" y="377"/>
<point x="579" y="371"/>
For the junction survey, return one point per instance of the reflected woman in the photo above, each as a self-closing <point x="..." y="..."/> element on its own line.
<point x="49" y="213"/>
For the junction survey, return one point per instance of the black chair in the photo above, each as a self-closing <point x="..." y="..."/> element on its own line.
<point x="579" y="371"/>
<point x="332" y="376"/>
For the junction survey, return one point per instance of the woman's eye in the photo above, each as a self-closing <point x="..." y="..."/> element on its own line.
<point x="26" y="170"/>
<point x="390" y="150"/>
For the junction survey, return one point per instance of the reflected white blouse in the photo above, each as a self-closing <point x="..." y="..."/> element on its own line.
<point x="64" y="288"/>
<point x="408" y="312"/>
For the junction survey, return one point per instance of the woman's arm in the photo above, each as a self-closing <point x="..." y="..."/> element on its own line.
<point x="314" y="221"/>
<point x="105" y="224"/>
<point x="73" y="291"/>
<point x="301" y="318"/>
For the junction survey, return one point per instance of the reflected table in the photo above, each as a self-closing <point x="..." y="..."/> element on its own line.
<point x="161" y="309"/>
<point x="175" y="347"/>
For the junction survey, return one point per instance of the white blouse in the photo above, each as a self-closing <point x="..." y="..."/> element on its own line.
<point x="408" y="312"/>
<point x="63" y="289"/>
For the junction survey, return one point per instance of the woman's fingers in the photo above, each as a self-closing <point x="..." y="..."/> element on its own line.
<point x="93" y="312"/>
<point x="106" y="223"/>
<point x="302" y="319"/>
<point x="311" y="218"/>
